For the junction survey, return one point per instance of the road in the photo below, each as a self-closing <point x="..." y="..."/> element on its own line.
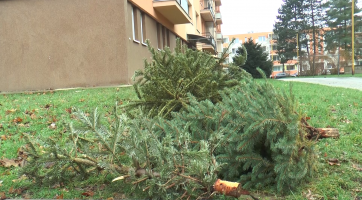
<point x="345" y="82"/>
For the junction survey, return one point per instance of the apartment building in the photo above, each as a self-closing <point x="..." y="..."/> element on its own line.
<point x="86" y="43"/>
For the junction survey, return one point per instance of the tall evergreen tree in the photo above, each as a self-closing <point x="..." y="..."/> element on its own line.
<point x="339" y="20"/>
<point x="290" y="22"/>
<point x="256" y="58"/>
<point x="314" y="17"/>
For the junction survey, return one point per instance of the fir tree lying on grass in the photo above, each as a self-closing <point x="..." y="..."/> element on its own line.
<point x="254" y="136"/>
<point x="163" y="85"/>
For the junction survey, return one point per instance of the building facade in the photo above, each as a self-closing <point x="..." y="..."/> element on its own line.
<point x="85" y="43"/>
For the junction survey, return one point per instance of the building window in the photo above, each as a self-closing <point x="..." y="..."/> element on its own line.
<point x="143" y="27"/>
<point x="246" y="39"/>
<point x="134" y="24"/>
<point x="234" y="51"/>
<point x="290" y="67"/>
<point x="275" y="58"/>
<point x="159" y="36"/>
<point x="164" y="36"/>
<point x="196" y="20"/>
<point x="168" y="37"/>
<point x="261" y="39"/>
<point x="237" y="41"/>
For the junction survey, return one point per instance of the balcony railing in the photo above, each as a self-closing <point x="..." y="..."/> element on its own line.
<point x="207" y="5"/>
<point x="211" y="39"/>
<point x="218" y="18"/>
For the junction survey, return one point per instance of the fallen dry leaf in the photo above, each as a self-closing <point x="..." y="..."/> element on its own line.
<point x="356" y="167"/>
<point x="88" y="194"/>
<point x="309" y="196"/>
<point x="23" y="177"/>
<point x="52" y="126"/>
<point x="47" y="106"/>
<point x="10" y="111"/>
<point x="333" y="161"/>
<point x="9" y="163"/>
<point x="81" y="100"/>
<point x="26" y="196"/>
<point x="59" y="196"/>
<point x="2" y="196"/>
<point x="3" y="137"/>
<point x="17" y="120"/>
<point x="16" y="191"/>
<point x="68" y="110"/>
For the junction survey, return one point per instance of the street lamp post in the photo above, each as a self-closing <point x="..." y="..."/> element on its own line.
<point x="352" y="37"/>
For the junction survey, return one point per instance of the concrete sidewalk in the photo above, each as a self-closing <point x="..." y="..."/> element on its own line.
<point x="344" y="82"/>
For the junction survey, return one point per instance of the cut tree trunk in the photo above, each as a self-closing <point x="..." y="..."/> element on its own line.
<point x="230" y="188"/>
<point x="316" y="133"/>
<point x="328" y="132"/>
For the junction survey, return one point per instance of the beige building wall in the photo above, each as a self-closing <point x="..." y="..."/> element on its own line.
<point x="48" y="44"/>
<point x="137" y="51"/>
<point x="58" y="44"/>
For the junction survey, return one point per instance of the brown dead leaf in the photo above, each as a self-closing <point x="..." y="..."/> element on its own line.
<point x="333" y="161"/>
<point x="81" y="100"/>
<point x="59" y="196"/>
<point x="52" y="126"/>
<point x="3" y="137"/>
<point x="88" y="194"/>
<point x="33" y="116"/>
<point x="9" y="162"/>
<point x="356" y="167"/>
<point x="10" y="111"/>
<point x="16" y="191"/>
<point x="17" y="120"/>
<point x="1" y="126"/>
<point x="307" y="118"/>
<point x="23" y="177"/>
<point x="68" y="110"/>
<point x="47" y="106"/>
<point x="110" y="198"/>
<point x="2" y="196"/>
<point x="26" y="196"/>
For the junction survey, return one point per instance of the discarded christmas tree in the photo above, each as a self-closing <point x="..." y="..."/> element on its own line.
<point x="194" y="130"/>
<point x="163" y="85"/>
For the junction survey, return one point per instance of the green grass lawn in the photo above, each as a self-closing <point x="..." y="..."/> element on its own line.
<point x="326" y="106"/>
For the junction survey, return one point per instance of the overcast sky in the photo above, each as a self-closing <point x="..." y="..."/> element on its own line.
<point x="243" y="16"/>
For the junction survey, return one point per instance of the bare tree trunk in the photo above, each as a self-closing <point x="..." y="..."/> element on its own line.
<point x="314" y="39"/>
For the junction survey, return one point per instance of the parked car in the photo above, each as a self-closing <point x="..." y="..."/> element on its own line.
<point x="280" y="75"/>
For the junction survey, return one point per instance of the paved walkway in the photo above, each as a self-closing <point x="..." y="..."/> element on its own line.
<point x="345" y="82"/>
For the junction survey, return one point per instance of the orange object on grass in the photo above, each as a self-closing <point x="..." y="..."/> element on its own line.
<point x="230" y="188"/>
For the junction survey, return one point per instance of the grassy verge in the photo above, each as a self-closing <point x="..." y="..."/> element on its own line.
<point x="328" y="106"/>
<point x="36" y="112"/>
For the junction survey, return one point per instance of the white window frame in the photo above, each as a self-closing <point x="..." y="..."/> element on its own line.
<point x="133" y="26"/>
